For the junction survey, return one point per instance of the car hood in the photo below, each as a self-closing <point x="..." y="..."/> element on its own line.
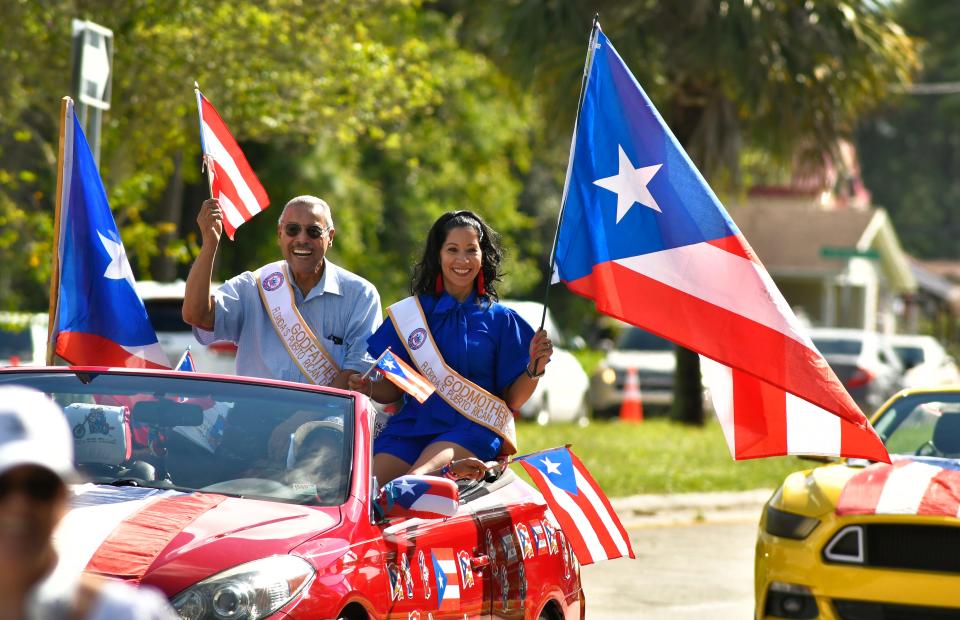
<point x="856" y="487"/>
<point x="646" y="360"/>
<point x="172" y="540"/>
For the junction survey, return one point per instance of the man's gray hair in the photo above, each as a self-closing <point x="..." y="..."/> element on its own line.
<point x="310" y="201"/>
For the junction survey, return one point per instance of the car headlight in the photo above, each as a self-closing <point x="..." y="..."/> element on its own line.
<point x="789" y="525"/>
<point x="246" y="592"/>
<point x="608" y="376"/>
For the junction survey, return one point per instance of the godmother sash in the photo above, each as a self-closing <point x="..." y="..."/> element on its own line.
<point x="464" y="395"/>
<point x="276" y="291"/>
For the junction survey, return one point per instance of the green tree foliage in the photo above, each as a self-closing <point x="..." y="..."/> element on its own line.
<point x="776" y="75"/>
<point x="370" y="103"/>
<point x="910" y="148"/>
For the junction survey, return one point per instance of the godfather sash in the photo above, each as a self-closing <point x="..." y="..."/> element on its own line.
<point x="276" y="292"/>
<point x="468" y="398"/>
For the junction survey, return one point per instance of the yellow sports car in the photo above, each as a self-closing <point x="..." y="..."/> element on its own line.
<point x="870" y="541"/>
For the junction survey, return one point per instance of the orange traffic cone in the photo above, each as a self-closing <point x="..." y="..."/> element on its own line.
<point x="631" y="409"/>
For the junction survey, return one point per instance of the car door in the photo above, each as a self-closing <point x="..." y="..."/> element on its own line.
<point x="434" y="569"/>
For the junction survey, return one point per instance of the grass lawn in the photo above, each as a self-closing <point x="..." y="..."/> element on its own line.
<point x="657" y="456"/>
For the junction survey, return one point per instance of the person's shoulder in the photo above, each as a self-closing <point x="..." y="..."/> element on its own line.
<point x="120" y="601"/>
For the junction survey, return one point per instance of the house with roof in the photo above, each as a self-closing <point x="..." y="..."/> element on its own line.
<point x="836" y="259"/>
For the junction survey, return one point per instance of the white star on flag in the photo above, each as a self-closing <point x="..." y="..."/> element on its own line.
<point x="405" y="487"/>
<point x="389" y="364"/>
<point x="119" y="267"/>
<point x="552" y="468"/>
<point x="630" y="185"/>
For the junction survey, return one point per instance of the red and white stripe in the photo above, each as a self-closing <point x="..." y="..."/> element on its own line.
<point x="233" y="182"/>
<point x="587" y="519"/>
<point x="409" y="380"/>
<point x="760" y="420"/>
<point x="717" y="299"/>
<point x="120" y="532"/>
<point x="906" y="487"/>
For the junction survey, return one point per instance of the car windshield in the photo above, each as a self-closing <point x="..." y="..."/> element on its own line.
<point x="634" y="338"/>
<point x="838" y="346"/>
<point x="926" y="424"/>
<point x="193" y="434"/>
<point x="910" y="355"/>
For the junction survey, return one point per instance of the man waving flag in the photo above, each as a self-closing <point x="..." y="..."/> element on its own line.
<point x="643" y="235"/>
<point x="96" y="316"/>
<point x="232" y="180"/>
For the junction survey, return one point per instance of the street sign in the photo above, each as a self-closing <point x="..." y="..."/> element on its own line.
<point x="93" y="56"/>
<point x="829" y="251"/>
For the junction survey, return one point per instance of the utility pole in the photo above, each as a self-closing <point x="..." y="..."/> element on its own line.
<point x="92" y="61"/>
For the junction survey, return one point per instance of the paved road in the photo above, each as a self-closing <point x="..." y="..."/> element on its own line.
<point x="684" y="571"/>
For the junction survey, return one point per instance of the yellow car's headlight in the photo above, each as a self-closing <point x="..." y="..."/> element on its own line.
<point x="789" y="525"/>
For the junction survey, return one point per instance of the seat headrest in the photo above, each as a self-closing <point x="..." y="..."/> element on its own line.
<point x="946" y="434"/>
<point x="101" y="433"/>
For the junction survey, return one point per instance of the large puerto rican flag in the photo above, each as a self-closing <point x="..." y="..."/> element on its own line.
<point x="232" y="180"/>
<point x="98" y="318"/>
<point x="644" y="236"/>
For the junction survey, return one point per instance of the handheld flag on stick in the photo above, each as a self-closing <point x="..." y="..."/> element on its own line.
<point x="579" y="504"/>
<point x="232" y="180"/>
<point x="404" y="376"/>
<point x="96" y="316"/>
<point x="186" y="363"/>
<point x="643" y="235"/>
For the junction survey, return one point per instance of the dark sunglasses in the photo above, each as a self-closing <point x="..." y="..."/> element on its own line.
<point x="313" y="231"/>
<point x="40" y="486"/>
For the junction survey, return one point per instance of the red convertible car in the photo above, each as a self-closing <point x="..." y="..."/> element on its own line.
<point x="242" y="498"/>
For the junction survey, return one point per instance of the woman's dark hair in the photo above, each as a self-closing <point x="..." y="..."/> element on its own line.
<point x="426" y="271"/>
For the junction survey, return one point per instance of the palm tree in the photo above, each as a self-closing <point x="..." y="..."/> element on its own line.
<point x="768" y="74"/>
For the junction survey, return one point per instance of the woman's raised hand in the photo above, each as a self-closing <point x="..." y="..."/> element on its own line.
<point x="541" y="350"/>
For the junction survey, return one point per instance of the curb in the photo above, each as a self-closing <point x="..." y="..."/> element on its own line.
<point x="679" y="508"/>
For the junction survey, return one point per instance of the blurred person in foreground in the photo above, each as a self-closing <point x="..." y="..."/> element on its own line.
<point x="482" y="357"/>
<point x="36" y="463"/>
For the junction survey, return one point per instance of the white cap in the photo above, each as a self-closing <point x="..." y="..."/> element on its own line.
<point x="33" y="431"/>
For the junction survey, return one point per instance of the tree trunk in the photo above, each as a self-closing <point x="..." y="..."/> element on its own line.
<point x="687" y="389"/>
<point x="164" y="265"/>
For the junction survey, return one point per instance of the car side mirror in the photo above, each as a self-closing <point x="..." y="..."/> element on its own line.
<point x="421" y="497"/>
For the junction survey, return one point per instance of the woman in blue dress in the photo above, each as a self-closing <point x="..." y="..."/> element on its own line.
<point x="478" y="339"/>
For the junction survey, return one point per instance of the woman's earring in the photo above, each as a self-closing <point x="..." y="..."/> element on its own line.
<point x="439" y="284"/>
<point x="481" y="288"/>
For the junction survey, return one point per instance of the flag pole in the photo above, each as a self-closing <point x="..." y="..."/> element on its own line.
<point x="203" y="145"/>
<point x="65" y="104"/>
<point x="591" y="46"/>
<point x="374" y="364"/>
<point x="516" y="457"/>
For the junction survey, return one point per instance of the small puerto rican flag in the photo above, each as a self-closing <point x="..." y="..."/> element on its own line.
<point x="186" y="363"/>
<point x="405" y="377"/>
<point x="448" y="584"/>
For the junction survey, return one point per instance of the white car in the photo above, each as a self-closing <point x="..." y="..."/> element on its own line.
<point x="926" y="361"/>
<point x="23" y="338"/>
<point x="164" y="304"/>
<point x="561" y="394"/>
